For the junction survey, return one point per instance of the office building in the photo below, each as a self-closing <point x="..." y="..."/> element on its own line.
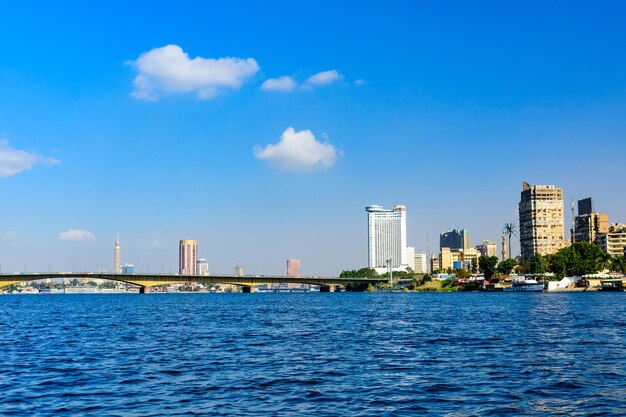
<point x="188" y="257"/>
<point x="238" y="271"/>
<point x="386" y="238"/>
<point x="419" y="263"/>
<point x="455" y="239"/>
<point x="128" y="269"/>
<point x="293" y="268"/>
<point x="410" y="257"/>
<point x="470" y="257"/>
<point x="434" y="263"/>
<point x="447" y="259"/>
<point x="614" y="241"/>
<point x="541" y="220"/>
<point x="487" y="248"/>
<point x="117" y="265"/>
<point x="203" y="267"/>
<point x="589" y="224"/>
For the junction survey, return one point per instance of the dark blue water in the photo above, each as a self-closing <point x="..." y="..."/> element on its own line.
<point x="322" y="354"/>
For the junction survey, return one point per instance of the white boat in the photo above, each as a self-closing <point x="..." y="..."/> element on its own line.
<point x="525" y="285"/>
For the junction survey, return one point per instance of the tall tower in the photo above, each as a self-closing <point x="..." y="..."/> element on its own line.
<point x="386" y="237"/>
<point x="188" y="257"/>
<point x="117" y="265"/>
<point x="541" y="220"/>
<point x="504" y="254"/>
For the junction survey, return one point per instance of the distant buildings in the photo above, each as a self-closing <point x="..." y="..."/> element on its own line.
<point x="487" y="248"/>
<point x="293" y="268"/>
<point x="420" y="264"/>
<point x="541" y="222"/>
<point x="614" y="241"/>
<point x="589" y="224"/>
<point x="455" y="239"/>
<point x="386" y="238"/>
<point x="188" y="257"/>
<point x="238" y="271"/>
<point x="128" y="269"/>
<point x="203" y="267"/>
<point x="449" y="259"/>
<point x="117" y="265"/>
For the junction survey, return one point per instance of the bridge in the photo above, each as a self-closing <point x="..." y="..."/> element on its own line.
<point x="248" y="283"/>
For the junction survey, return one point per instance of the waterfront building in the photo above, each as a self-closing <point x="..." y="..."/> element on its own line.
<point x="188" y="257"/>
<point x="541" y="220"/>
<point x="419" y="263"/>
<point x="434" y="263"/>
<point x="386" y="238"/>
<point x="203" y="267"/>
<point x="614" y="241"/>
<point x="117" y="265"/>
<point x="128" y="269"/>
<point x="455" y="239"/>
<point x="487" y="248"/>
<point x="410" y="257"/>
<point x="589" y="224"/>
<point x="293" y="268"/>
<point x="470" y="257"/>
<point x="447" y="258"/>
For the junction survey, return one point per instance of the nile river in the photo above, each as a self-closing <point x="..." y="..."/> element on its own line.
<point x="334" y="354"/>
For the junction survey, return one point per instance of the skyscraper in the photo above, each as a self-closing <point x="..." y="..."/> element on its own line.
<point x="386" y="237"/>
<point x="455" y="239"/>
<point x="589" y="224"/>
<point x="117" y="264"/>
<point x="293" y="268"/>
<point x="541" y="220"/>
<point x="188" y="257"/>
<point x="203" y="267"/>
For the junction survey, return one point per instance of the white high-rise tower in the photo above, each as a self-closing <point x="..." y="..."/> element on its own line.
<point x="387" y="237"/>
<point x="117" y="264"/>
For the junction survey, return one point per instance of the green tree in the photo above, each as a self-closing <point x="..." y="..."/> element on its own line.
<point x="505" y="267"/>
<point x="537" y="264"/>
<point x="604" y="261"/>
<point x="618" y="264"/>
<point x="579" y="259"/>
<point x="488" y="264"/>
<point x="463" y="273"/>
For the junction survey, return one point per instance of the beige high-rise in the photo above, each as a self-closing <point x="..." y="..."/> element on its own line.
<point x="188" y="257"/>
<point x="541" y="221"/>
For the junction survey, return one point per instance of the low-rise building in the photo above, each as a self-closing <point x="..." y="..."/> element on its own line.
<point x="420" y="265"/>
<point x="447" y="258"/>
<point x="470" y="257"/>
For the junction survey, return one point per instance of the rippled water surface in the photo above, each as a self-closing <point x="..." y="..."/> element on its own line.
<point x="304" y="354"/>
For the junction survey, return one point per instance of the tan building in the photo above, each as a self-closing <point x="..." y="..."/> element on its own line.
<point x="589" y="226"/>
<point x="613" y="242"/>
<point x="434" y="263"/>
<point x="470" y="257"/>
<point x="447" y="258"/>
<point x="541" y="220"/>
<point x="487" y="248"/>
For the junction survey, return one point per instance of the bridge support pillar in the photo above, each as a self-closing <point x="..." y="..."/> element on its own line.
<point x="142" y="290"/>
<point x="327" y="288"/>
<point x="247" y="289"/>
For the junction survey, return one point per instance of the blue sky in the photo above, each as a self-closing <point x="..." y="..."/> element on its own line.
<point x="445" y="107"/>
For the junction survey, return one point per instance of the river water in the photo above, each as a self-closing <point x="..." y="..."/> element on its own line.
<point x="334" y="354"/>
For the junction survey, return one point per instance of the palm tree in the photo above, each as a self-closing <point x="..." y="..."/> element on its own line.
<point x="603" y="261"/>
<point x="618" y="264"/>
<point x="509" y="230"/>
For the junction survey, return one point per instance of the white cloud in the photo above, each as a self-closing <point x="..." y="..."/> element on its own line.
<point x="324" y="77"/>
<point x="169" y="69"/>
<point x="77" y="235"/>
<point x="284" y="83"/>
<point x="14" y="161"/>
<point x="156" y="244"/>
<point x="360" y="82"/>
<point x="298" y="151"/>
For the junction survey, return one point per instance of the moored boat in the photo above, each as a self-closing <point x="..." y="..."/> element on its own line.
<point x="525" y="285"/>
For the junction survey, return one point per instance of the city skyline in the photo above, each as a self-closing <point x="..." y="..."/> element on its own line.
<point x="92" y="141"/>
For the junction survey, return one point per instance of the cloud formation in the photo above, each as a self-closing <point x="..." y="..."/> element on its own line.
<point x="14" y="161"/>
<point x="298" y="151"/>
<point x="284" y="83"/>
<point x="77" y="235"/>
<point x="169" y="70"/>
<point x="324" y="77"/>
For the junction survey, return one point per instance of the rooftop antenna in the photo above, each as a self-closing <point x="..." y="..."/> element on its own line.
<point x="573" y="223"/>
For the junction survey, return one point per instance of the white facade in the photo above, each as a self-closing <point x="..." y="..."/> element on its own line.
<point x="419" y="262"/>
<point x="410" y="257"/>
<point x="203" y="267"/>
<point x="386" y="237"/>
